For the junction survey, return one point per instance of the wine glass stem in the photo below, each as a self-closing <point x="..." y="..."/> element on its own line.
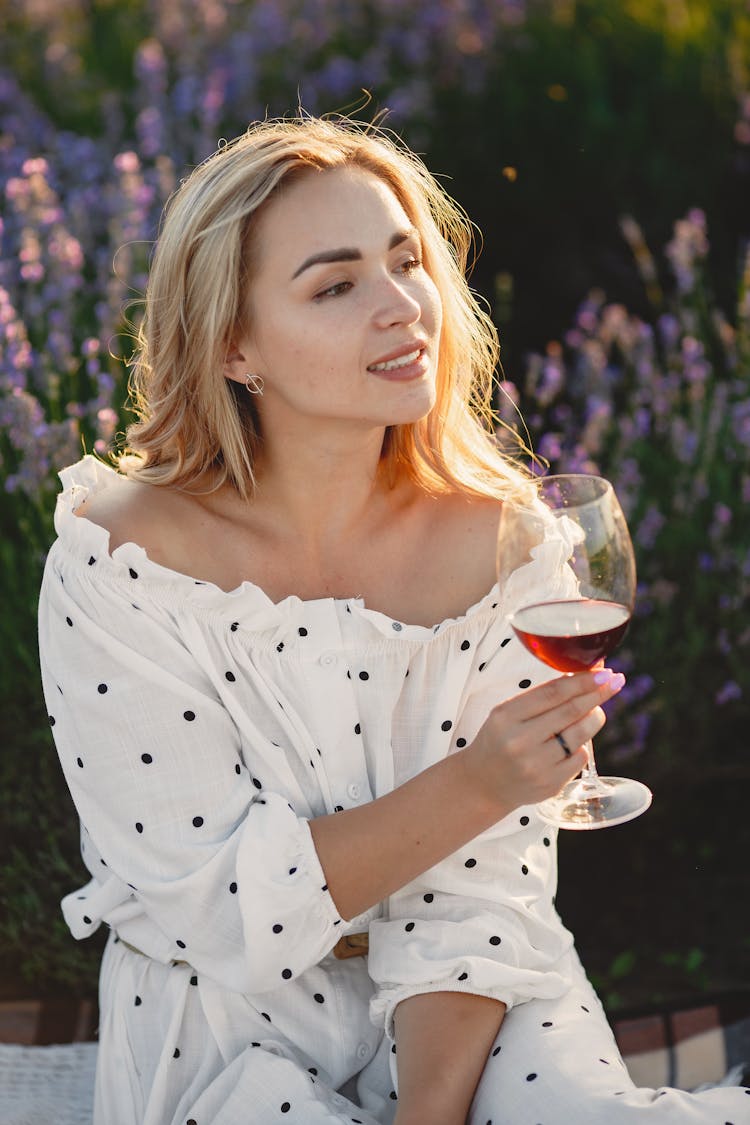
<point x="589" y="778"/>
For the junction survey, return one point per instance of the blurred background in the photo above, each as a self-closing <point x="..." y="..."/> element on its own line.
<point x="603" y="149"/>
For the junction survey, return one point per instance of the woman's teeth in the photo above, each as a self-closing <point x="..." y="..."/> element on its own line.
<point x="402" y="361"/>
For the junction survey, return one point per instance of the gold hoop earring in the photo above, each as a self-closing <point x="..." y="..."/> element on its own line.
<point x="254" y="384"/>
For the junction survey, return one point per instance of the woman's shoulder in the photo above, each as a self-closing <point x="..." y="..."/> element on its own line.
<point x="133" y="511"/>
<point x="458" y="548"/>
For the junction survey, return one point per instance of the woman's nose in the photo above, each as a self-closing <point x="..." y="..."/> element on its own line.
<point x="395" y="305"/>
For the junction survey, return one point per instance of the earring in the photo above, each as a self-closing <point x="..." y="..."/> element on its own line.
<point x="254" y="384"/>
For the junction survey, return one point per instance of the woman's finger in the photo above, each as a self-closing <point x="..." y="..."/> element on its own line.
<point x="599" y="685"/>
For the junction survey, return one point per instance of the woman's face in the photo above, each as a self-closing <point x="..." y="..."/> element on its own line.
<point x="345" y="321"/>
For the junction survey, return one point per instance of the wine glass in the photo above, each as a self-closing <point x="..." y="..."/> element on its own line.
<point x="566" y="573"/>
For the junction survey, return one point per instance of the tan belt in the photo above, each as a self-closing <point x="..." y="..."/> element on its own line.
<point x="350" y="945"/>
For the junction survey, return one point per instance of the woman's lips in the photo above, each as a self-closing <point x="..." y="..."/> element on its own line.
<point x="408" y="365"/>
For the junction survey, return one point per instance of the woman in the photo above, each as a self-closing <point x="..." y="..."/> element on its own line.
<point x="284" y="693"/>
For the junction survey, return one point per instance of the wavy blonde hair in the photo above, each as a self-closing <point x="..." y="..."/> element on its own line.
<point x="191" y="419"/>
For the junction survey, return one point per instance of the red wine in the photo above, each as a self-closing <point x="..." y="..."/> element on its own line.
<point x="571" y="635"/>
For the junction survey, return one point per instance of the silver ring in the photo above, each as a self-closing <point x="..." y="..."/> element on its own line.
<point x="564" y="744"/>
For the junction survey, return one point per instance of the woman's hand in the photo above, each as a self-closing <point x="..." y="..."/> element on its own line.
<point x="516" y="759"/>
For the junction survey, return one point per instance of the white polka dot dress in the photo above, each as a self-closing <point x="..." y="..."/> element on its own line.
<point x="199" y="731"/>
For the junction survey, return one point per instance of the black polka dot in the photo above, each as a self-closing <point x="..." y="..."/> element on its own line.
<point x="238" y="769"/>
<point x="192" y="1121"/>
<point x="429" y="897"/>
<point x="312" y="1070"/>
<point x="530" y="1077"/>
<point x="292" y="870"/>
<point x="234" y="626"/>
<point x="482" y="666"/>
<point x="138" y="826"/>
<point x="547" y="1023"/>
<point x="338" y="808"/>
<point x="397" y="626"/>
<point x="584" y="1008"/>
<point x="197" y="822"/>
<point x="188" y="716"/>
<point x="176" y="1054"/>
<point x="258" y="784"/>
<point x="230" y="676"/>
<point x="233" y="888"/>
<point x="51" y="720"/>
<point x="277" y="928"/>
<point x="364" y="675"/>
<point x="524" y="683"/>
<point x="393" y="1096"/>
<point x="87" y="920"/>
<point x="102" y="689"/>
<point x="302" y="631"/>
<point x="194" y="980"/>
<point x="460" y="743"/>
<point x="92" y="560"/>
<point x="69" y="622"/>
<point x="496" y="1052"/>
<point x="286" y="974"/>
<point x="358" y="729"/>
<point x="464" y="976"/>
<point x="524" y="820"/>
<point x="79" y="763"/>
<point x="409" y="927"/>
<point x="181" y="944"/>
<point x="446" y="725"/>
<point x="133" y="573"/>
<point x="495" y="940"/>
<point x="546" y="841"/>
<point x="464" y="646"/>
<point x="280" y="646"/>
<point x="605" y="1061"/>
<point x="266" y="1016"/>
<point x="505" y="642"/>
<point x="138" y="1001"/>
<point x="324" y="887"/>
<point x="319" y="998"/>
<point x="146" y="759"/>
<point x="470" y="863"/>
<point x="524" y="869"/>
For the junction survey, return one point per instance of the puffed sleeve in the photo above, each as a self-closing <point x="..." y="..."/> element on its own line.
<point x="192" y="857"/>
<point x="483" y="920"/>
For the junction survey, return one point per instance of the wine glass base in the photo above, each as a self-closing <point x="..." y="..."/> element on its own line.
<point x="583" y="805"/>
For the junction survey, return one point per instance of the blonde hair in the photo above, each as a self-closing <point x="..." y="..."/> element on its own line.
<point x="192" y="419"/>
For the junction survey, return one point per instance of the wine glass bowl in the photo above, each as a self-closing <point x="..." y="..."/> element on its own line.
<point x="566" y="571"/>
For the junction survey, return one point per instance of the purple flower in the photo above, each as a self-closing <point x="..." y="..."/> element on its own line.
<point x="730" y="691"/>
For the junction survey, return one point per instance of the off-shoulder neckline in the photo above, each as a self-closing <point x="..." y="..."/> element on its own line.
<point x="82" y="536"/>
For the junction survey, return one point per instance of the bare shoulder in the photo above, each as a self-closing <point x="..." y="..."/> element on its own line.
<point x="469" y="524"/>
<point x="462" y="545"/>
<point x="132" y="512"/>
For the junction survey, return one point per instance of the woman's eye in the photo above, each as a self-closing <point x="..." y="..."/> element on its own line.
<point x="334" y="290"/>
<point x="411" y="265"/>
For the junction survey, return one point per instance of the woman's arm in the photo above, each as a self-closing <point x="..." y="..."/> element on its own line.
<point x="370" y="852"/>
<point x="442" y="1043"/>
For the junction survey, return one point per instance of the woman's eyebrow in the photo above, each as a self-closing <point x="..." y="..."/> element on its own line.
<point x="350" y="253"/>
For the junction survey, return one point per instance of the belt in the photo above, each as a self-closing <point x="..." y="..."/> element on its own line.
<point x="350" y="945"/>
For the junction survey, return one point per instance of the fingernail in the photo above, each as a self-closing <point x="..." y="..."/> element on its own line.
<point x="617" y="681"/>
<point x="604" y="676"/>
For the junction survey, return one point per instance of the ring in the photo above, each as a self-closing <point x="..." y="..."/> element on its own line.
<point x="564" y="744"/>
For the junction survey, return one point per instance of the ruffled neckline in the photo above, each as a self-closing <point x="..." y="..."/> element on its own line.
<point x="89" y="541"/>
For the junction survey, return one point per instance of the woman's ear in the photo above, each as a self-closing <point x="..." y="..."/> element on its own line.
<point x="236" y="364"/>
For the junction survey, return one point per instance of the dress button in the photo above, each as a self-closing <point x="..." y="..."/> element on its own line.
<point x="354" y="791"/>
<point x="328" y="659"/>
<point x="363" y="1051"/>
